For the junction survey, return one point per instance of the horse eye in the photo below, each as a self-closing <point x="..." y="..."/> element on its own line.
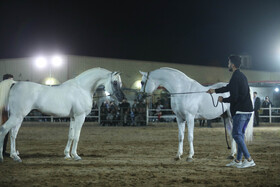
<point x="142" y="83"/>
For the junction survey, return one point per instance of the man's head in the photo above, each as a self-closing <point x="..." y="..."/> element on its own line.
<point x="234" y="62"/>
<point x="267" y="98"/>
<point x="8" y="76"/>
<point x="255" y="94"/>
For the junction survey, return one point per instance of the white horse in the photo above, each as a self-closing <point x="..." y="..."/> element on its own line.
<point x="72" y="99"/>
<point x="189" y="100"/>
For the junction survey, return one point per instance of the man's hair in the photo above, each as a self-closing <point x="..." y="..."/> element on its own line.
<point x="7" y="76"/>
<point x="236" y="60"/>
<point x="255" y="93"/>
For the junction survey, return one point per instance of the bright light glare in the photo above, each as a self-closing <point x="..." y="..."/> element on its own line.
<point x="49" y="81"/>
<point x="138" y="84"/>
<point x="107" y="93"/>
<point x="57" y="61"/>
<point x="41" y="62"/>
<point x="278" y="54"/>
<point x="276" y="89"/>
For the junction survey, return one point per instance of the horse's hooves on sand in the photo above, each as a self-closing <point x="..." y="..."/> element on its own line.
<point x="177" y="158"/>
<point x="18" y="160"/>
<point x="67" y="158"/>
<point x="189" y="159"/>
<point x="230" y="157"/>
<point x="77" y="157"/>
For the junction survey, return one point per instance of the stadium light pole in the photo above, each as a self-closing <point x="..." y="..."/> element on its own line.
<point x="54" y="61"/>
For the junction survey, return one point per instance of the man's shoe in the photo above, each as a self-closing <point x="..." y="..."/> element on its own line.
<point x="247" y="164"/>
<point x="234" y="164"/>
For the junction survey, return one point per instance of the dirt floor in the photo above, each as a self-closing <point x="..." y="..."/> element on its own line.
<point x="137" y="156"/>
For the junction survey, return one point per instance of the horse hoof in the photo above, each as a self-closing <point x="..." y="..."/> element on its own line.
<point x="230" y="157"/>
<point x="16" y="158"/>
<point x="1" y="160"/>
<point x="177" y="158"/>
<point x="77" y="158"/>
<point x="189" y="159"/>
<point x="67" y="158"/>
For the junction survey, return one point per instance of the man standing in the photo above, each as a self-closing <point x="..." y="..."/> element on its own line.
<point x="257" y="106"/>
<point x="266" y="104"/>
<point x="5" y="116"/>
<point x="241" y="109"/>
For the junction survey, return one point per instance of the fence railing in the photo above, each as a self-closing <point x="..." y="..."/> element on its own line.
<point x="271" y="116"/>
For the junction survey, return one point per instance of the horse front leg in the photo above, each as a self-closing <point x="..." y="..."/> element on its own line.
<point x="79" y="121"/>
<point x="181" y="133"/>
<point x="70" y="140"/>
<point x="190" y="124"/>
<point x="13" y="135"/>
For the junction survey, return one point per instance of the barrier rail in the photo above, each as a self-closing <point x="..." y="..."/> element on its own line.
<point x="273" y="116"/>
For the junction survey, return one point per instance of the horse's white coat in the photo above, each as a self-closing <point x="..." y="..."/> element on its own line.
<point x="72" y="99"/>
<point x="187" y="107"/>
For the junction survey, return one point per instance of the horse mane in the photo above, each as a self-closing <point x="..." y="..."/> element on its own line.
<point x="90" y="71"/>
<point x="177" y="71"/>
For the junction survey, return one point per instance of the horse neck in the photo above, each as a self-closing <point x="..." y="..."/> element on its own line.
<point x="177" y="83"/>
<point x="91" y="80"/>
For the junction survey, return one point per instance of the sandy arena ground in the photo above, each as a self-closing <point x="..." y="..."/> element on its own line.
<point x="137" y="156"/>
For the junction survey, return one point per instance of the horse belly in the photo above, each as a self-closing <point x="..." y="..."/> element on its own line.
<point x="58" y="104"/>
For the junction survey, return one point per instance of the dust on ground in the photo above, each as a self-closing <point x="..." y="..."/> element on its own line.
<point x="137" y="156"/>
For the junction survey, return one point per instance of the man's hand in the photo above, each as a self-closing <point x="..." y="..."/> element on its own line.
<point x="220" y="99"/>
<point x="211" y="91"/>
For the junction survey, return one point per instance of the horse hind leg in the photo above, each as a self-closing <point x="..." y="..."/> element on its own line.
<point x="11" y="123"/>
<point x="229" y="132"/>
<point x="13" y="135"/>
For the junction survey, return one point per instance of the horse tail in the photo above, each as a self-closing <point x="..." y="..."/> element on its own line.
<point x="249" y="130"/>
<point x="4" y="94"/>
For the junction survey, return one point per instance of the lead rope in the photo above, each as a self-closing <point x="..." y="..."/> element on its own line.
<point x="223" y="118"/>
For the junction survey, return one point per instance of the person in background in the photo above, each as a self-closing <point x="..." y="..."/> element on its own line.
<point x="257" y="106"/>
<point x="125" y="112"/>
<point x="266" y="103"/>
<point x="5" y="116"/>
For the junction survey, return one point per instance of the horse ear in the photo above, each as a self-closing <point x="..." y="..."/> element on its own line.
<point x="116" y="73"/>
<point x="143" y="73"/>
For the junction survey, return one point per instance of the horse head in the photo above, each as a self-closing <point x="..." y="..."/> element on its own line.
<point x="114" y="85"/>
<point x="148" y="85"/>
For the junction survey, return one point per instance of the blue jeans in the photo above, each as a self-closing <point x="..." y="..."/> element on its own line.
<point x="240" y="122"/>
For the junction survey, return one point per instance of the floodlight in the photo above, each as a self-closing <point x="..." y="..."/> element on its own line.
<point x="41" y="62"/>
<point x="138" y="84"/>
<point x="276" y="89"/>
<point x="56" y="61"/>
<point x="107" y="93"/>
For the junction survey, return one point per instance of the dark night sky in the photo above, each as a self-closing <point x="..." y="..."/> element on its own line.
<point x="202" y="32"/>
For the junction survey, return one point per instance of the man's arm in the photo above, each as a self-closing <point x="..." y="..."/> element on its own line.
<point x="219" y="90"/>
